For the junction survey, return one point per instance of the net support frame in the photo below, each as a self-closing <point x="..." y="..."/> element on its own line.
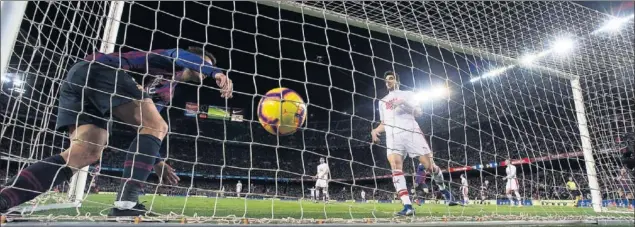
<point x="109" y="38"/>
<point x="587" y="149"/>
<point x="11" y="14"/>
<point x="456" y="47"/>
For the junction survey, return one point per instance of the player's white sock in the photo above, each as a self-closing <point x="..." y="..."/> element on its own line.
<point x="511" y="199"/>
<point x="518" y="197"/>
<point x="400" y="186"/>
<point x="326" y="196"/>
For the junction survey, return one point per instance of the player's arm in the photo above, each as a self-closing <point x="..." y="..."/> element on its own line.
<point x="377" y="131"/>
<point x="166" y="172"/>
<point x="410" y="104"/>
<point x="197" y="63"/>
<point x="191" y="61"/>
<point x="380" y="128"/>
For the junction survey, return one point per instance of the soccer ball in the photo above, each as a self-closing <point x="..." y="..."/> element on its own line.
<point x="281" y="111"/>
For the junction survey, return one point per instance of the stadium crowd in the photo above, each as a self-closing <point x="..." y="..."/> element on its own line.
<point x="247" y="150"/>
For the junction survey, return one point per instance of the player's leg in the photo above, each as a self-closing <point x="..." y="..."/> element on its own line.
<point x="395" y="159"/>
<point x="325" y="192"/>
<point x="515" y="188"/>
<point x="465" y="196"/>
<point x="142" y="152"/>
<point x="508" y="192"/>
<point x="418" y="147"/>
<point x="125" y="99"/>
<point x="88" y="136"/>
<point x="86" y="146"/>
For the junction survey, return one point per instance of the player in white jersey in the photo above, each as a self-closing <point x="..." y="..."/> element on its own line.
<point x="464" y="189"/>
<point x="239" y="188"/>
<point x="363" y="194"/>
<point x="512" y="183"/>
<point x="313" y="194"/>
<point x="484" y="189"/>
<point x="397" y="112"/>
<point x="322" y="182"/>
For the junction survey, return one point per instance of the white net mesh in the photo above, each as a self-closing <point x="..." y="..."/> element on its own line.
<point x="334" y="54"/>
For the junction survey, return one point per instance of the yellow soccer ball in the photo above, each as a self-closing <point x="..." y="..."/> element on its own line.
<point x="281" y="111"/>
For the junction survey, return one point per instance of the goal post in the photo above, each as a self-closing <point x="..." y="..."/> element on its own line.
<point x="12" y="11"/>
<point x="587" y="148"/>
<point x="108" y="41"/>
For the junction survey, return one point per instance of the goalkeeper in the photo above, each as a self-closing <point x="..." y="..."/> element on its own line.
<point x="105" y="85"/>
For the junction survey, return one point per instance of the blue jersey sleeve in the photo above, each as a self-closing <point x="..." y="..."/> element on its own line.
<point x="191" y="61"/>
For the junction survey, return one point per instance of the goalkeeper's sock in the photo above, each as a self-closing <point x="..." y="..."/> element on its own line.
<point x="34" y="180"/>
<point x="143" y="163"/>
<point x="399" y="181"/>
<point x="511" y="199"/>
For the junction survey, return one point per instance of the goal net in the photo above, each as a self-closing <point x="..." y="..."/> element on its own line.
<point x="548" y="85"/>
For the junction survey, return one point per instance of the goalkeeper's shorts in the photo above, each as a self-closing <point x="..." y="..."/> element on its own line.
<point x="88" y="94"/>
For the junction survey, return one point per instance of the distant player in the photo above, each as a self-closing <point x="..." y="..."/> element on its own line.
<point x="239" y="188"/>
<point x="397" y="112"/>
<point x="572" y="187"/>
<point x="222" y="191"/>
<point x="313" y="194"/>
<point x="104" y="85"/>
<point x="465" y="189"/>
<point x="484" y="189"/>
<point x="322" y="182"/>
<point x="625" y="183"/>
<point x="363" y="195"/>
<point x="512" y="183"/>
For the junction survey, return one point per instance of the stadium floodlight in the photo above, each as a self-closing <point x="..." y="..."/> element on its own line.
<point x="563" y="45"/>
<point x="17" y="82"/>
<point x="614" y="25"/>
<point x="433" y="93"/>
<point x="492" y="73"/>
<point x="18" y="90"/>
<point x="528" y="60"/>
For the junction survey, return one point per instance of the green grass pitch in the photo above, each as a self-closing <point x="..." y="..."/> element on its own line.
<point x="268" y="208"/>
